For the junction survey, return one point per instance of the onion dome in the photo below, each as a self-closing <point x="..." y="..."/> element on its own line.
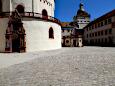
<point x="82" y="12"/>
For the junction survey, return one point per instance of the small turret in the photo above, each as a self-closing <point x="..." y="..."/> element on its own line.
<point x="82" y="12"/>
<point x="81" y="7"/>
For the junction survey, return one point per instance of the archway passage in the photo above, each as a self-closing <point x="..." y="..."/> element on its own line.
<point x="44" y="14"/>
<point x="0" y="6"/>
<point x="20" y="8"/>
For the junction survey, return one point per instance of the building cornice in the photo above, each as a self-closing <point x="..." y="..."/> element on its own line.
<point x="32" y="15"/>
<point x="103" y="17"/>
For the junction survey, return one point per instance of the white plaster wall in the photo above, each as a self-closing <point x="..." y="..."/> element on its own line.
<point x="5" y="5"/>
<point x="82" y="22"/>
<point x="80" y="40"/>
<point x="37" y="35"/>
<point x="26" y="3"/>
<point x="3" y="27"/>
<point x="37" y="31"/>
<point x="37" y="6"/>
<point x="50" y="9"/>
<point x="66" y="33"/>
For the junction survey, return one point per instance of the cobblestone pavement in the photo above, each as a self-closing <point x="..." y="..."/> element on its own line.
<point x="87" y="66"/>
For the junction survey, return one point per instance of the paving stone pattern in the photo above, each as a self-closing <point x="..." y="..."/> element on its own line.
<point x="87" y="66"/>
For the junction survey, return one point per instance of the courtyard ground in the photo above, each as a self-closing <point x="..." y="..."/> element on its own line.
<point x="87" y="66"/>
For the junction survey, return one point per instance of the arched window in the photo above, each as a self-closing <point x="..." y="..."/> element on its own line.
<point x="44" y="14"/>
<point x="51" y="33"/>
<point x="0" y="6"/>
<point x="20" y="8"/>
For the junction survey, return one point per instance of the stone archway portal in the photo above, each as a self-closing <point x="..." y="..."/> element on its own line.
<point x="15" y="35"/>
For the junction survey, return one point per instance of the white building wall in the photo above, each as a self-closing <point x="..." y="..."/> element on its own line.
<point x="82" y="22"/>
<point x="37" y="31"/>
<point x="80" y="41"/>
<point x="50" y="8"/>
<point x="5" y="5"/>
<point x="37" y="35"/>
<point x="26" y="3"/>
<point x="38" y="6"/>
<point x="66" y="33"/>
<point x="3" y="27"/>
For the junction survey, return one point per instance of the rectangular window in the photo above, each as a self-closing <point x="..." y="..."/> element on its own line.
<point x="106" y="22"/>
<point x="87" y="35"/>
<point x="110" y="31"/>
<point x="95" y="33"/>
<point x="98" y="40"/>
<point x="101" y="23"/>
<point x="105" y="32"/>
<point x="101" y="33"/>
<point x="87" y="29"/>
<point x="109" y="21"/>
<point x="92" y="26"/>
<point x="102" y="40"/>
<point x="95" y="40"/>
<point x="90" y="34"/>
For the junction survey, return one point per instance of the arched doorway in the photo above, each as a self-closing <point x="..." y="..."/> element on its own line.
<point x="15" y="42"/>
<point x="51" y="33"/>
<point x="74" y="43"/>
<point x="44" y="14"/>
<point x="15" y="35"/>
<point x="0" y="6"/>
<point x="20" y="8"/>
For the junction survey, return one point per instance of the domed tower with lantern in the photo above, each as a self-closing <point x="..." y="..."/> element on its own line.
<point x="80" y="20"/>
<point x="82" y="17"/>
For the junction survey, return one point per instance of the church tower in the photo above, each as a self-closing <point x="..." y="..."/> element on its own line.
<point x="82" y="17"/>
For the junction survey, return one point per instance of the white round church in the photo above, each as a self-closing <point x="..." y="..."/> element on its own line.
<point x="28" y="25"/>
